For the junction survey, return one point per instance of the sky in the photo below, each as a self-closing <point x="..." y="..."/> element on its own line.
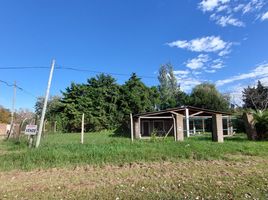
<point x="224" y="42"/>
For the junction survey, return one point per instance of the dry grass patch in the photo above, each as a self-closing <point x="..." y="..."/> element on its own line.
<point x="156" y="180"/>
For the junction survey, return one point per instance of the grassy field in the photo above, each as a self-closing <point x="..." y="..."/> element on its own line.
<point x="108" y="167"/>
<point x="61" y="150"/>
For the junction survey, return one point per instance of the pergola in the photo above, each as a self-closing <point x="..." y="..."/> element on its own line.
<point x="177" y="120"/>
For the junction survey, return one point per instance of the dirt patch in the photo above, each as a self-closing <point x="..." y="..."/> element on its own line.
<point x="188" y="179"/>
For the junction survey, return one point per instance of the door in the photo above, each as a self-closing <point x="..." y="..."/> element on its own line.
<point x="145" y="128"/>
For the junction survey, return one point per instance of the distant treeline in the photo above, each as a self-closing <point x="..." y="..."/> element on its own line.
<point x="107" y="105"/>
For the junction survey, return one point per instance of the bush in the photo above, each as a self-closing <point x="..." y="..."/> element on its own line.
<point x="261" y="123"/>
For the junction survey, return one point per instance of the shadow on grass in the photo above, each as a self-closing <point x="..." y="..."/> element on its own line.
<point x="236" y="139"/>
<point x="208" y="137"/>
<point x="201" y="137"/>
<point x="121" y="132"/>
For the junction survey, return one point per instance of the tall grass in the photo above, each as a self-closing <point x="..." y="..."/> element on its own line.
<point x="59" y="150"/>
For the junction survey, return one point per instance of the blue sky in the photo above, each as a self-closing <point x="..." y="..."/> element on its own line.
<point x="221" y="41"/>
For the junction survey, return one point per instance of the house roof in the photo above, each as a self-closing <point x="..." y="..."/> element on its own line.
<point x="180" y="110"/>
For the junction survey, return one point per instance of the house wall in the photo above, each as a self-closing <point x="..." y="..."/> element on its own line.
<point x="3" y="129"/>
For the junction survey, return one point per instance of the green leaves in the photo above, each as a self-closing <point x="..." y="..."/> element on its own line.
<point x="206" y="96"/>
<point x="256" y="97"/>
<point x="261" y="123"/>
<point x="169" y="90"/>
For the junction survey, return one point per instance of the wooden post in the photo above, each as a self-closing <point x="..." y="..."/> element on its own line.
<point x="131" y="127"/>
<point x="82" y="129"/>
<point x="20" y="127"/>
<point x="174" y="127"/>
<point x="55" y="126"/>
<point x="217" y="128"/>
<point x="137" y="128"/>
<point x="179" y="128"/>
<point x="194" y="129"/>
<point x="31" y="138"/>
<point x="230" y="126"/>
<point x="187" y="122"/>
<point x="12" y="124"/>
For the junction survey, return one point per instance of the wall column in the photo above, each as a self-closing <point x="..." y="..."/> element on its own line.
<point x="179" y="128"/>
<point x="137" y="128"/>
<point x="187" y="122"/>
<point x="217" y="128"/>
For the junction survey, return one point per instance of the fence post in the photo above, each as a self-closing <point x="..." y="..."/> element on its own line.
<point x="82" y="129"/>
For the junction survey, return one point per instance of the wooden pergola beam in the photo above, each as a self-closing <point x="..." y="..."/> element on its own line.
<point x="157" y="117"/>
<point x="196" y="113"/>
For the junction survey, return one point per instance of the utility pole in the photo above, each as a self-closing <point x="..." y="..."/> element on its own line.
<point x="45" y="105"/>
<point x="13" y="111"/>
<point x="82" y="128"/>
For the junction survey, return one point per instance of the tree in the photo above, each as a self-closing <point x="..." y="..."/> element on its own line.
<point x="256" y="97"/>
<point x="4" y="115"/>
<point x="170" y="93"/>
<point x="54" y="111"/>
<point x="206" y="96"/>
<point x="137" y="97"/>
<point x="98" y="100"/>
<point x="23" y="114"/>
<point x="261" y="123"/>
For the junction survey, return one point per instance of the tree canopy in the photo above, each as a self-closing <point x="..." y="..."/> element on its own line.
<point x="107" y="105"/>
<point x="169" y="89"/>
<point x="256" y="97"/>
<point x="207" y="96"/>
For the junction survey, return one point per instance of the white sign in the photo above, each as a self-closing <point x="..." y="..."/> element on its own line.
<point x="31" y="130"/>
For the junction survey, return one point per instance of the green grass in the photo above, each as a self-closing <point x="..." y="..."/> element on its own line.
<point x="63" y="150"/>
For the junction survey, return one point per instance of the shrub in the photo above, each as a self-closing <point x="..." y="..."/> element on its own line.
<point x="261" y="123"/>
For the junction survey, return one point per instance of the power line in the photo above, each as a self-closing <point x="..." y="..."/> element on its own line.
<point x="8" y="84"/>
<point x="32" y="67"/>
<point x="72" y="68"/>
<point x="98" y="72"/>
<point x="18" y="87"/>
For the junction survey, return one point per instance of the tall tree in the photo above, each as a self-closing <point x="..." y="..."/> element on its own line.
<point x="137" y="97"/>
<point x="256" y="97"/>
<point x="98" y="100"/>
<point x="206" y="96"/>
<point x="170" y="93"/>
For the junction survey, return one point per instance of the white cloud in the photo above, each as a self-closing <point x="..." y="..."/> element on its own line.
<point x="188" y="83"/>
<point x="181" y="73"/>
<point x="227" y="12"/>
<point x="253" y="5"/>
<point x="198" y="62"/>
<point x="264" y="16"/>
<point x="217" y="64"/>
<point x="239" y="7"/>
<point x="210" y="5"/>
<point x="204" y="44"/>
<point x="226" y="20"/>
<point x="187" y="79"/>
<point x="210" y="70"/>
<point x="222" y="8"/>
<point x="235" y="93"/>
<point x="260" y="72"/>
